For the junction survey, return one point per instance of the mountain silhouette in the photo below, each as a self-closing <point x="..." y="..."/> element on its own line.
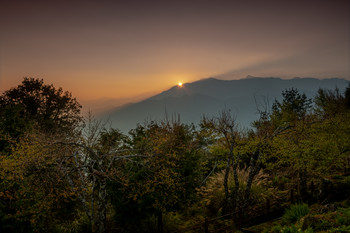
<point x="210" y="96"/>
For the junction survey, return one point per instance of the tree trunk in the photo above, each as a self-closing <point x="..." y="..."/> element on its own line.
<point x="253" y="171"/>
<point x="102" y="202"/>
<point x="235" y="193"/>
<point x="303" y="182"/>
<point x="160" y="222"/>
<point x="227" y="196"/>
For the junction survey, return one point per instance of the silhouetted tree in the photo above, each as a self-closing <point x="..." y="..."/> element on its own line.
<point x="35" y="104"/>
<point x="293" y="107"/>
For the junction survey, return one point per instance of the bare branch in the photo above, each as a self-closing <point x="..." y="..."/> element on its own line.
<point x="205" y="180"/>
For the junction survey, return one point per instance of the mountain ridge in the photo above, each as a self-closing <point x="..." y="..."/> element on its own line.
<point x="210" y="96"/>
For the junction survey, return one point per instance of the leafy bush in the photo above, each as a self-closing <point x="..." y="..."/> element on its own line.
<point x="172" y="221"/>
<point x="309" y="230"/>
<point x="80" y="224"/>
<point x="295" y="212"/>
<point x="276" y="229"/>
<point x="343" y="217"/>
<point x="339" y="229"/>
<point x="289" y="229"/>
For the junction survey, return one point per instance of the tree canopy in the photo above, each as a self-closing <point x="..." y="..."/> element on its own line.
<point x="36" y="104"/>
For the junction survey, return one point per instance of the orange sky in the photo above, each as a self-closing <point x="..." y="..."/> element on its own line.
<point x="119" y="49"/>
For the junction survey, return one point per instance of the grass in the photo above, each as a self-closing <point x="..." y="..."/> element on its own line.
<point x="295" y="212"/>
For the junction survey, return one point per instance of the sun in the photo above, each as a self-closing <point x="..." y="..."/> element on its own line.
<point x="179" y="84"/>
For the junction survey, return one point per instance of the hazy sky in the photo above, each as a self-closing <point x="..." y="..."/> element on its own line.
<point x="124" y="48"/>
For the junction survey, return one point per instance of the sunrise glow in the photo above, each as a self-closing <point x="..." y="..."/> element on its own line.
<point x="147" y="50"/>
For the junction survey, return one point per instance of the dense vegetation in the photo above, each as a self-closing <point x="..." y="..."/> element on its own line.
<point x="61" y="172"/>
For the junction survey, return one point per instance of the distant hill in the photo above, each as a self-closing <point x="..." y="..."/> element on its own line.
<point x="210" y="96"/>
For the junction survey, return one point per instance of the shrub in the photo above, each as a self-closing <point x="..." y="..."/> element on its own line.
<point x="343" y="217"/>
<point x="276" y="229"/>
<point x="295" y="212"/>
<point x="339" y="229"/>
<point x="289" y="229"/>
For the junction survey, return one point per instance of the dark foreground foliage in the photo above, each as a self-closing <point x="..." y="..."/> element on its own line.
<point x="62" y="173"/>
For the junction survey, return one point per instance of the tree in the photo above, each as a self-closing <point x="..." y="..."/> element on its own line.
<point x="331" y="131"/>
<point x="167" y="178"/>
<point x="32" y="114"/>
<point x="89" y="162"/>
<point x="35" y="104"/>
<point x="347" y="96"/>
<point x="241" y="151"/>
<point x="32" y="187"/>
<point x="314" y="142"/>
<point x="330" y="103"/>
<point x="295" y="116"/>
<point x="224" y="127"/>
<point x="293" y="107"/>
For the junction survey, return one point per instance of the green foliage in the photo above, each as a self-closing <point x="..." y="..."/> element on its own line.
<point x="165" y="181"/>
<point x="294" y="106"/>
<point x="33" y="194"/>
<point x="279" y="181"/>
<point x="295" y="212"/>
<point x="276" y="229"/>
<point x="33" y="188"/>
<point x="330" y="103"/>
<point x="172" y="221"/>
<point x="343" y="217"/>
<point x="289" y="229"/>
<point x="339" y="229"/>
<point x="79" y="224"/>
<point x="332" y="221"/>
<point x="112" y="140"/>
